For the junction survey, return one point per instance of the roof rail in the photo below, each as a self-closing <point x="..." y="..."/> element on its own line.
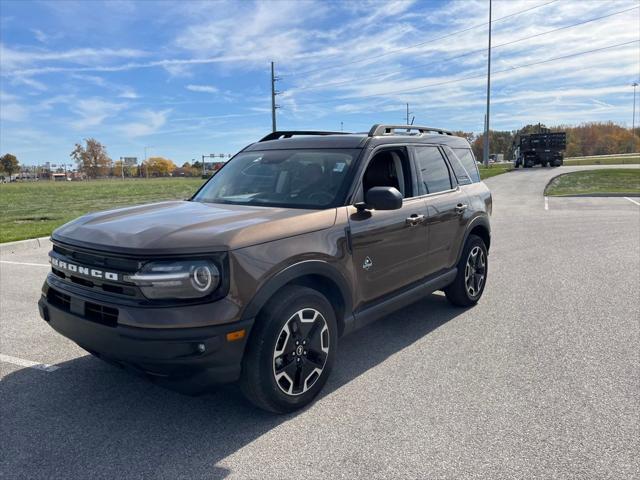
<point x="294" y="133"/>
<point x="381" y="129"/>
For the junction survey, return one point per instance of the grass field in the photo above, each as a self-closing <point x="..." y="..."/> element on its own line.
<point x="35" y="209"/>
<point x="624" y="160"/>
<point x="493" y="170"/>
<point x="599" y="182"/>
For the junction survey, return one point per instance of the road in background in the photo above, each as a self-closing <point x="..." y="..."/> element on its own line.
<point x="539" y="380"/>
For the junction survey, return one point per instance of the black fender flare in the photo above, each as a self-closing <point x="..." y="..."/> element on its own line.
<point x="482" y="221"/>
<point x="292" y="272"/>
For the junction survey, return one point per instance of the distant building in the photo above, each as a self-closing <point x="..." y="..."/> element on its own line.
<point x="60" y="177"/>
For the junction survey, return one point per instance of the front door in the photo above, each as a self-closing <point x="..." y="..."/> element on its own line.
<point x="389" y="247"/>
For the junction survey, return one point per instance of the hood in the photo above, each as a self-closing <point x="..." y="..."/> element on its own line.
<point x="189" y="227"/>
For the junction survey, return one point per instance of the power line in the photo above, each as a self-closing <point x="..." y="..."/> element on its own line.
<point x="482" y="75"/>
<point x="343" y="82"/>
<point x="391" y="52"/>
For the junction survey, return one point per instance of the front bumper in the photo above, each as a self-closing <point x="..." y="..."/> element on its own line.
<point x="186" y="359"/>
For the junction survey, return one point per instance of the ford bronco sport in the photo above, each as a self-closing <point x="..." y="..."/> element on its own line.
<point x="299" y="239"/>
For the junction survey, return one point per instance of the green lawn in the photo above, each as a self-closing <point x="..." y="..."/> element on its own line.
<point x="493" y="170"/>
<point x="629" y="159"/>
<point x="605" y="181"/>
<point x="35" y="209"/>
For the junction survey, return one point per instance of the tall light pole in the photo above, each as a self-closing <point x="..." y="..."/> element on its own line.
<point x="274" y="92"/>
<point x="633" y="120"/>
<point x="485" y="153"/>
<point x="146" y="167"/>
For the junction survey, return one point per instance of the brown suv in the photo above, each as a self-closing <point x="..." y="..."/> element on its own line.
<point x="299" y="239"/>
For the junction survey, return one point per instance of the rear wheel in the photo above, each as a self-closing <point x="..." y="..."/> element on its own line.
<point x="471" y="278"/>
<point x="291" y="351"/>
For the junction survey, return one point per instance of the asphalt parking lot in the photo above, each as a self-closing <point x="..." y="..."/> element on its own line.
<point x="540" y="380"/>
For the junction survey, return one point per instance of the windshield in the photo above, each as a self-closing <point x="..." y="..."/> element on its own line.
<point x="306" y="178"/>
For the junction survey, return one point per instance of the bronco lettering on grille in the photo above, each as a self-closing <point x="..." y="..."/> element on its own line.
<point x="84" y="271"/>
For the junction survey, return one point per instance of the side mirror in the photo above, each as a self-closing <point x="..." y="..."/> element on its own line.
<point x="383" y="198"/>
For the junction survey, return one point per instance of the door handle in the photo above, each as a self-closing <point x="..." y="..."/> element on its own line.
<point x="460" y="208"/>
<point x="414" y="220"/>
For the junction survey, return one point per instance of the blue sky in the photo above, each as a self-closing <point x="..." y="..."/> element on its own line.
<point x="191" y="78"/>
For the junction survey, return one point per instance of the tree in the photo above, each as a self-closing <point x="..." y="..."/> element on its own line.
<point x="118" y="167"/>
<point x="159" y="166"/>
<point x="196" y="168"/>
<point x="92" y="159"/>
<point x="9" y="164"/>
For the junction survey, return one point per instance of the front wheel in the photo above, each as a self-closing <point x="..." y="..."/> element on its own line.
<point x="291" y="350"/>
<point x="471" y="278"/>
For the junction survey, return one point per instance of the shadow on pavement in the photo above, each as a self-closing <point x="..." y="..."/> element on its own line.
<point x="91" y="420"/>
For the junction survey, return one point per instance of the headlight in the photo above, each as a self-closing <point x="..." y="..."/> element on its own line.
<point x="181" y="279"/>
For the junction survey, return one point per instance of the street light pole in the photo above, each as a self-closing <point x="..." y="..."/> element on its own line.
<point x="146" y="167"/>
<point x="485" y="153"/>
<point x="633" y="120"/>
<point x="274" y="92"/>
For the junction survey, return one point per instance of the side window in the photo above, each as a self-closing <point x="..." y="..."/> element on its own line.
<point x="389" y="168"/>
<point x="468" y="162"/>
<point x="433" y="169"/>
<point x="464" y="176"/>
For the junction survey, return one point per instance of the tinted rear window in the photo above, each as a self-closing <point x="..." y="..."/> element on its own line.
<point x="433" y="169"/>
<point x="465" y="169"/>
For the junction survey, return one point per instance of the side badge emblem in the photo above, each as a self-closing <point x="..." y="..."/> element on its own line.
<point x="367" y="264"/>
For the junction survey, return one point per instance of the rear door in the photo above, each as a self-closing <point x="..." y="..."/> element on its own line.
<point x="446" y="207"/>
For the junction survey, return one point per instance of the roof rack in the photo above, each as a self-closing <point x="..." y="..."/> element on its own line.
<point x="381" y="129"/>
<point x="294" y="133"/>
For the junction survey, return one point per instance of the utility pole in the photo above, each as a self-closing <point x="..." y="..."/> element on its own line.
<point x="633" y="121"/>
<point x="342" y="124"/>
<point x="146" y="167"/>
<point x="408" y="113"/>
<point x="274" y="92"/>
<point x="485" y="153"/>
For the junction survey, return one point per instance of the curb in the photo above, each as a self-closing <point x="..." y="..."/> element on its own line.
<point x="634" y="194"/>
<point x="21" y="245"/>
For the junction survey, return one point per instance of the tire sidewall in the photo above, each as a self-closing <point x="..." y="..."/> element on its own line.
<point x="475" y="241"/>
<point x="275" y="319"/>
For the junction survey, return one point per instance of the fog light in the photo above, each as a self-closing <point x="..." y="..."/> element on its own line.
<point x="201" y="347"/>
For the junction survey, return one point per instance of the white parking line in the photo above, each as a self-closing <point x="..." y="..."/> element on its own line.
<point x="27" y="363"/>
<point x="632" y="201"/>
<point x="546" y="203"/>
<point x="26" y="263"/>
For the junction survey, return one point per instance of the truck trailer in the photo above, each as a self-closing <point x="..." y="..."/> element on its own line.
<point x="544" y="148"/>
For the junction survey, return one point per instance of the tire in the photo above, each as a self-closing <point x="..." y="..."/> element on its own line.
<point x="465" y="291"/>
<point x="295" y="314"/>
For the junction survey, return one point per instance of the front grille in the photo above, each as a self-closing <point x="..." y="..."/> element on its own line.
<point x="100" y="314"/>
<point x="93" y="312"/>
<point x="101" y="262"/>
<point x="59" y="299"/>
